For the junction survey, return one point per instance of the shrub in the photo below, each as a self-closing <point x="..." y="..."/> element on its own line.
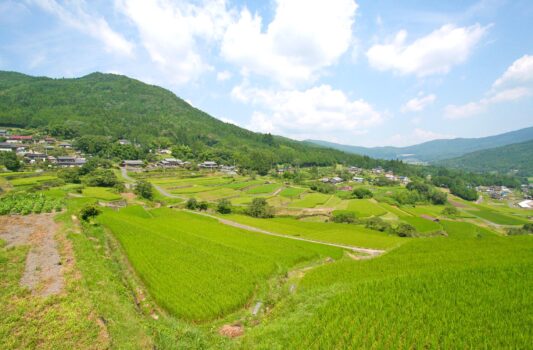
<point x="377" y="224"/>
<point x="191" y="204"/>
<point x="144" y="189"/>
<point x="102" y="178"/>
<point x="346" y="217"/>
<point x="259" y="208"/>
<point x="89" y="211"/>
<point x="69" y="175"/>
<point x="224" y="206"/>
<point x="405" y="230"/>
<point x="450" y="211"/>
<point x="528" y="227"/>
<point x="362" y="192"/>
<point x="202" y="206"/>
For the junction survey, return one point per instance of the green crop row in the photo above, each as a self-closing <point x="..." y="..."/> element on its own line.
<point x="29" y="203"/>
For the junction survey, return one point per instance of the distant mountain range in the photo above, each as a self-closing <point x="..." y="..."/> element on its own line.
<point x="436" y="150"/>
<point x="517" y="158"/>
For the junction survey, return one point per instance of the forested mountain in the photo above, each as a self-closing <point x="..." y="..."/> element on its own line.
<point x="120" y="107"/>
<point x="517" y="157"/>
<point x="437" y="149"/>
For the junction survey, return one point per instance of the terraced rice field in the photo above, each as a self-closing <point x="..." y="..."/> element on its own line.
<point x="365" y="208"/>
<point x="327" y="232"/>
<point x="438" y="293"/>
<point x="100" y="193"/>
<point x="311" y="200"/>
<point x="264" y="189"/>
<point x="497" y="217"/>
<point x="422" y="225"/>
<point x="292" y="192"/>
<point x="199" y="269"/>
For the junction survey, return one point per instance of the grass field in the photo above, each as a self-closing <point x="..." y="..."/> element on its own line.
<point x="428" y="294"/>
<point x="292" y="192"/>
<point x="327" y="232"/>
<point x="199" y="269"/>
<point x="24" y="181"/>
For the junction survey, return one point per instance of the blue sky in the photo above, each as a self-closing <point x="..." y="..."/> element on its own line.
<point x="365" y="73"/>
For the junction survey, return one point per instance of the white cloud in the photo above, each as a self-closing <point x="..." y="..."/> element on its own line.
<point x="172" y="31"/>
<point x="223" y="75"/>
<point x="304" y="37"/>
<point x="473" y="108"/>
<point x="419" y="103"/>
<point x="521" y="71"/>
<point x="318" y="112"/>
<point x="76" y="16"/>
<point x="435" y="53"/>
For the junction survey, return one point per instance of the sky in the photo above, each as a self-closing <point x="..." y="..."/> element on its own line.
<point x="366" y="73"/>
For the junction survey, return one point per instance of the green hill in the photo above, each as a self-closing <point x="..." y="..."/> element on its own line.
<point x="121" y="107"/>
<point x="517" y="157"/>
<point x="437" y="149"/>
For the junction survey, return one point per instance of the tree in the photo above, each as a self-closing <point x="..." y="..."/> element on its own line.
<point x="259" y="208"/>
<point x="102" y="178"/>
<point x="362" y="192"/>
<point x="347" y="217"/>
<point x="224" y="206"/>
<point x="89" y="211"/>
<point x="450" y="211"/>
<point x="377" y="224"/>
<point x="202" y="206"/>
<point x="405" y="230"/>
<point x="144" y="189"/>
<point x="69" y="175"/>
<point x="10" y="161"/>
<point x="191" y="204"/>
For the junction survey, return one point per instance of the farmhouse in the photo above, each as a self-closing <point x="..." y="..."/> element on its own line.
<point x="70" y="161"/>
<point x="65" y="145"/>
<point x="358" y="179"/>
<point x="228" y="169"/>
<point x="171" y="162"/>
<point x="208" y="165"/>
<point x="8" y="147"/>
<point x="404" y="179"/>
<point x="133" y="163"/>
<point x="35" y="157"/>
<point x="355" y="170"/>
<point x="527" y="204"/>
<point x="3" y="132"/>
<point x="124" y="142"/>
<point x="19" y="138"/>
<point x="333" y="180"/>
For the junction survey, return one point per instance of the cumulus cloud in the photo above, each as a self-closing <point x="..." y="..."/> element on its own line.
<point x="435" y="53"/>
<point x="223" y="75"/>
<point x="171" y="31"/>
<point x="304" y="37"/>
<point x="318" y="112"/>
<point x="75" y="15"/>
<point x="521" y="71"/>
<point x="514" y="84"/>
<point x="473" y="108"/>
<point x="418" y="103"/>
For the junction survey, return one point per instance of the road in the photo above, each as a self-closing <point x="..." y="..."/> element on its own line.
<point x="160" y="189"/>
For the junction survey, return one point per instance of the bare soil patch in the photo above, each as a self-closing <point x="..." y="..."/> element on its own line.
<point x="231" y="331"/>
<point x="456" y="204"/>
<point x="43" y="274"/>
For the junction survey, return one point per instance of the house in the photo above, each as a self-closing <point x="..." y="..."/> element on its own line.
<point x="228" y="169"/>
<point x="20" y="138"/>
<point x="208" y="165"/>
<point x="335" y="180"/>
<point x="171" y="162"/>
<point x="390" y="176"/>
<point x="3" y="132"/>
<point x="404" y="179"/>
<point x="35" y="157"/>
<point x="8" y="147"/>
<point x="527" y="204"/>
<point x="69" y="161"/>
<point x="378" y="170"/>
<point x="65" y="145"/>
<point x="124" y="142"/>
<point x="324" y="180"/>
<point x="358" y="179"/>
<point x="133" y="163"/>
<point x="346" y="188"/>
<point x="165" y="151"/>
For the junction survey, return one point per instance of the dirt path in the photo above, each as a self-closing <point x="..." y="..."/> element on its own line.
<point x="43" y="274"/>
<point x="160" y="189"/>
<point x="371" y="252"/>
